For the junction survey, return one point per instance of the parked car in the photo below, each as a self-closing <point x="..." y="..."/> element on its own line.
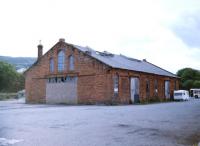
<point x="181" y="95"/>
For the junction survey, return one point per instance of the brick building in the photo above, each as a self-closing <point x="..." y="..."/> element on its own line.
<point x="73" y="74"/>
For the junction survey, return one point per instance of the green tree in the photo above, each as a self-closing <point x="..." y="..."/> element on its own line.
<point x="197" y="75"/>
<point x="188" y="84"/>
<point x="190" y="78"/>
<point x="196" y="84"/>
<point x="10" y="80"/>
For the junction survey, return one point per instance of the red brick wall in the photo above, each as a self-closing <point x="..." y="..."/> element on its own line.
<point x="95" y="79"/>
<point x="35" y="82"/>
<point x="124" y="85"/>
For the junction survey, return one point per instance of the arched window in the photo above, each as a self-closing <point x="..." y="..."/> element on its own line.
<point x="61" y="61"/>
<point x="71" y="62"/>
<point x="51" y="65"/>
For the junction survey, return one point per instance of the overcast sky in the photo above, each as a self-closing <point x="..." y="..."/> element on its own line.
<point x="165" y="32"/>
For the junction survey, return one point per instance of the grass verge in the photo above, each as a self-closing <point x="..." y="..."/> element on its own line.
<point x="6" y="96"/>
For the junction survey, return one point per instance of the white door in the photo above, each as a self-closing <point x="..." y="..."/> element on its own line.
<point x="134" y="90"/>
<point x="167" y="89"/>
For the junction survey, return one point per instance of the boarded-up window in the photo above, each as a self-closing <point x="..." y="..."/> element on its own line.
<point x="175" y="85"/>
<point x="147" y="88"/>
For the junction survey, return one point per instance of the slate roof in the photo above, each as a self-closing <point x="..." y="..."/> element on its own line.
<point x="123" y="62"/>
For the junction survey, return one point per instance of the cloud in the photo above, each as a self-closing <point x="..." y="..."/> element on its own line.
<point x="187" y="28"/>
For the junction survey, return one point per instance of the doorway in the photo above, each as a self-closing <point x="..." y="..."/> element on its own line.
<point x="134" y="90"/>
<point x="167" y="89"/>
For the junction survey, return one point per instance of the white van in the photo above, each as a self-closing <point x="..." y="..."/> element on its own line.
<point x="195" y="93"/>
<point x="181" y="95"/>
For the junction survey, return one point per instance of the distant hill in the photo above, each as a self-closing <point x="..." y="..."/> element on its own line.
<point x="19" y="62"/>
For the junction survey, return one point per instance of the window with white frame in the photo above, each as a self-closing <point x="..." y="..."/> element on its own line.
<point x="116" y="85"/>
<point x="156" y="88"/>
<point x="61" y="61"/>
<point x="51" y="65"/>
<point x="71" y="62"/>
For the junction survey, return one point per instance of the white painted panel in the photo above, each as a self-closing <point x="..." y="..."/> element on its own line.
<point x="63" y="92"/>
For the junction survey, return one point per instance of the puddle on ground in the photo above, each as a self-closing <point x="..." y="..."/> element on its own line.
<point x="6" y="142"/>
<point x="123" y="125"/>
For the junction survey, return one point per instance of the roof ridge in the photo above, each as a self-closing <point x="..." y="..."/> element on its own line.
<point x="116" y="61"/>
<point x="130" y="58"/>
<point x="161" y="68"/>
